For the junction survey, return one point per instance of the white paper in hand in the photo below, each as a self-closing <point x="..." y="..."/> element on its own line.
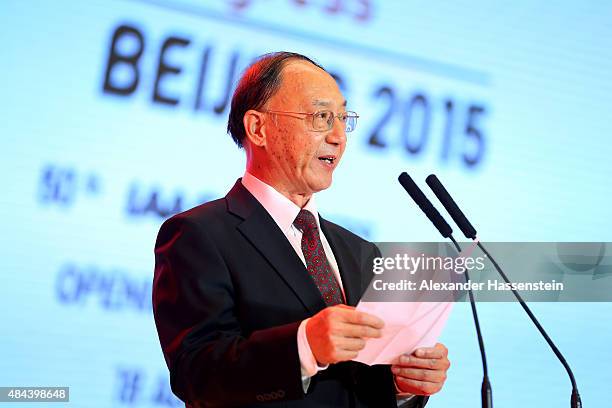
<point x="408" y="326"/>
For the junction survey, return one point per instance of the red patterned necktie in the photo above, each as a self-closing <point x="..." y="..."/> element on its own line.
<point x="316" y="260"/>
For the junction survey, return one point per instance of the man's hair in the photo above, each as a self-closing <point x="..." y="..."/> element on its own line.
<point x="259" y="82"/>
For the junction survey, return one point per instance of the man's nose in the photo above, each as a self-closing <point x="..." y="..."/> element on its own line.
<point x="337" y="134"/>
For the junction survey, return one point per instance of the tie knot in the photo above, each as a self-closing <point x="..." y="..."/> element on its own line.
<point x="305" y="221"/>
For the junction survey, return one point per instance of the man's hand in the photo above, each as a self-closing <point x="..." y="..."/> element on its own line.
<point x="337" y="333"/>
<point x="423" y="372"/>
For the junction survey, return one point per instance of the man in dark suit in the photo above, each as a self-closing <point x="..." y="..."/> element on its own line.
<point x="254" y="293"/>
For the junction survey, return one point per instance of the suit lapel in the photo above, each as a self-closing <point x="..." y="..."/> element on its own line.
<point x="261" y="231"/>
<point x="349" y="269"/>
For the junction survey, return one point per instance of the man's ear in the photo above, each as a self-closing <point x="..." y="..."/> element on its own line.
<point x="253" y="125"/>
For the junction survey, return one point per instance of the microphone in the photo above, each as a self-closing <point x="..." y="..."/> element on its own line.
<point x="425" y="205"/>
<point x="447" y="232"/>
<point x="451" y="206"/>
<point x="469" y="231"/>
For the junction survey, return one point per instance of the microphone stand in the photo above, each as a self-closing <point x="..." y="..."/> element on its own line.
<point x="470" y="232"/>
<point x="446" y="231"/>
<point x="486" y="393"/>
<point x="575" y="401"/>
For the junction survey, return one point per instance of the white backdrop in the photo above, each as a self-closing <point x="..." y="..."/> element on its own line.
<point x="102" y="139"/>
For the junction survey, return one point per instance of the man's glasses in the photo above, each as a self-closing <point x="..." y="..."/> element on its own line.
<point x="324" y="120"/>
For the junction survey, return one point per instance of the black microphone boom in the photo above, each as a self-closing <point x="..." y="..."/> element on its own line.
<point x="469" y="231"/>
<point x="447" y="232"/>
<point x="451" y="206"/>
<point x="425" y="205"/>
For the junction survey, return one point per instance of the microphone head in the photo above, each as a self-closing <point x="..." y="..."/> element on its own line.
<point x="425" y="205"/>
<point x="451" y="206"/>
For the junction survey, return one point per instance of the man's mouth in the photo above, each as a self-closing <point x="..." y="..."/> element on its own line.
<point x="328" y="159"/>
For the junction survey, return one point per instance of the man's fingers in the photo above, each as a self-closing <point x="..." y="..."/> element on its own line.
<point x="346" y="355"/>
<point x="351" y="315"/>
<point x="361" y="318"/>
<point x="418" y="387"/>
<point x="355" y="330"/>
<point x="434" y="376"/>
<point x="350" y="344"/>
<point x="439" y="351"/>
<point x="424" y="371"/>
<point x="429" y="363"/>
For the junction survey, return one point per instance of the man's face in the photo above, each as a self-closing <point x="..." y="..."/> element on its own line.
<point x="300" y="159"/>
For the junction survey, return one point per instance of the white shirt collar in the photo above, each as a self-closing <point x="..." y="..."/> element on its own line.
<point x="282" y="210"/>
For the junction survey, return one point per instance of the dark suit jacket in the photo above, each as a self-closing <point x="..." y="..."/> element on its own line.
<point x="228" y="296"/>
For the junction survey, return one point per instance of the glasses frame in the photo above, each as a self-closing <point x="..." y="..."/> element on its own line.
<point x="347" y="114"/>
